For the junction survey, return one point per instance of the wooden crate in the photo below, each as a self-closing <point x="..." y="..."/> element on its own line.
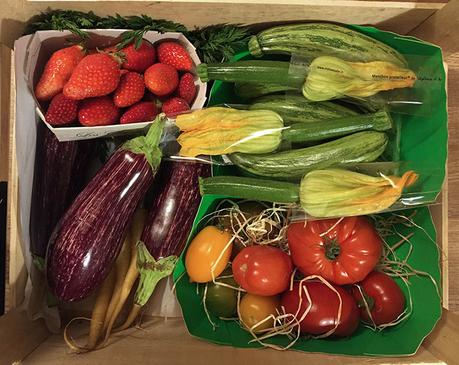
<point x="167" y="341"/>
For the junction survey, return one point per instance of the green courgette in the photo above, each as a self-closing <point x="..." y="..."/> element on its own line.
<point x="251" y="90"/>
<point x="326" y="129"/>
<point x="294" y="108"/>
<point x="243" y="187"/>
<point x="358" y="147"/>
<point x="269" y="72"/>
<point x="322" y="39"/>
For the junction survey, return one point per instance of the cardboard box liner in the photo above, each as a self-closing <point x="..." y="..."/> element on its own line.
<point x="424" y="144"/>
<point x="42" y="44"/>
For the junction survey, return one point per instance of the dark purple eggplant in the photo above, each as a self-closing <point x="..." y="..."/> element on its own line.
<point x="176" y="201"/>
<point x="175" y="204"/>
<point x="58" y="178"/>
<point x="89" y="237"/>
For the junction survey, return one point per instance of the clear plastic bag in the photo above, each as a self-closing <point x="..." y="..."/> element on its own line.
<point x="373" y="85"/>
<point x="279" y="124"/>
<point x="350" y="190"/>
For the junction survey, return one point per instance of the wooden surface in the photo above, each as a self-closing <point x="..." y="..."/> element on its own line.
<point x="398" y="16"/>
<point x="453" y="180"/>
<point x="441" y="28"/>
<point x="19" y="336"/>
<point x="16" y="274"/>
<point x="167" y="342"/>
<point x="5" y="73"/>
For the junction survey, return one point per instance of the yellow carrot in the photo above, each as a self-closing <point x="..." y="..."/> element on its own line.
<point x="132" y="273"/>
<point x="100" y="307"/>
<point x="121" y="268"/>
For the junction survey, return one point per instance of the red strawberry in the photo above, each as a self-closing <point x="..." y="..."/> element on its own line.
<point x="61" y="110"/>
<point x="161" y="79"/>
<point x="186" y="88"/>
<point x="144" y="111"/>
<point x="98" y="111"/>
<point x="130" y="89"/>
<point x="139" y="59"/>
<point x="174" y="54"/>
<point x="57" y="72"/>
<point x="96" y="75"/>
<point x="174" y="106"/>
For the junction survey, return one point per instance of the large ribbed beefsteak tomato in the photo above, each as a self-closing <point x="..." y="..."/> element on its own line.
<point x="342" y="251"/>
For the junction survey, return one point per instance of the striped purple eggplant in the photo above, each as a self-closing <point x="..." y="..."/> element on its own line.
<point x="58" y="178"/>
<point x="88" y="238"/>
<point x="175" y="204"/>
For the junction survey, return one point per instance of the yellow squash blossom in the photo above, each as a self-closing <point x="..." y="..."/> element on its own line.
<point x="219" y="131"/>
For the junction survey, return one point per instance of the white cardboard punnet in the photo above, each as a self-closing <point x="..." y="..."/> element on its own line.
<point x="43" y="43"/>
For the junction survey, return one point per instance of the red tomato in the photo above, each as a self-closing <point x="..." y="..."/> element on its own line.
<point x="262" y="270"/>
<point x="343" y="253"/>
<point x="323" y="315"/>
<point x="383" y="296"/>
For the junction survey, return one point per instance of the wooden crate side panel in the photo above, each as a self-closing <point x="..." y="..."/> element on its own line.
<point x="453" y="180"/>
<point x="19" y="336"/>
<point x="16" y="277"/>
<point x="441" y="29"/>
<point x="170" y="343"/>
<point x="398" y="16"/>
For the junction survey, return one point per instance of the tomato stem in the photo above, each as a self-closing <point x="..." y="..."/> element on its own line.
<point x="332" y="248"/>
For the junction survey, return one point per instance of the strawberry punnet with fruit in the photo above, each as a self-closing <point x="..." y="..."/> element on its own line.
<point x="117" y="84"/>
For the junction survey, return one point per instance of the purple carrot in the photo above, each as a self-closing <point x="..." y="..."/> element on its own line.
<point x="170" y="219"/>
<point x="58" y="178"/>
<point x="88" y="238"/>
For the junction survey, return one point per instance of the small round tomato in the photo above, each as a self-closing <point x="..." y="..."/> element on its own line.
<point x="222" y="300"/>
<point x="254" y="309"/>
<point x="203" y="252"/>
<point x="323" y="314"/>
<point x="384" y="297"/>
<point x="341" y="251"/>
<point x="262" y="270"/>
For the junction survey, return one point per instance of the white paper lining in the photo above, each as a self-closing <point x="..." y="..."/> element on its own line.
<point x="163" y="303"/>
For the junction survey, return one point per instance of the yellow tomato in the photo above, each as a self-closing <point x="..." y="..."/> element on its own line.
<point x="203" y="253"/>
<point x="255" y="308"/>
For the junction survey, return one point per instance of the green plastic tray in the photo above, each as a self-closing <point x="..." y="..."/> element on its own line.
<point x="403" y="339"/>
<point x="424" y="146"/>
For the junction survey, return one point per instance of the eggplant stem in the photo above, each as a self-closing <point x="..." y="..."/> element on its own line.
<point x="150" y="272"/>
